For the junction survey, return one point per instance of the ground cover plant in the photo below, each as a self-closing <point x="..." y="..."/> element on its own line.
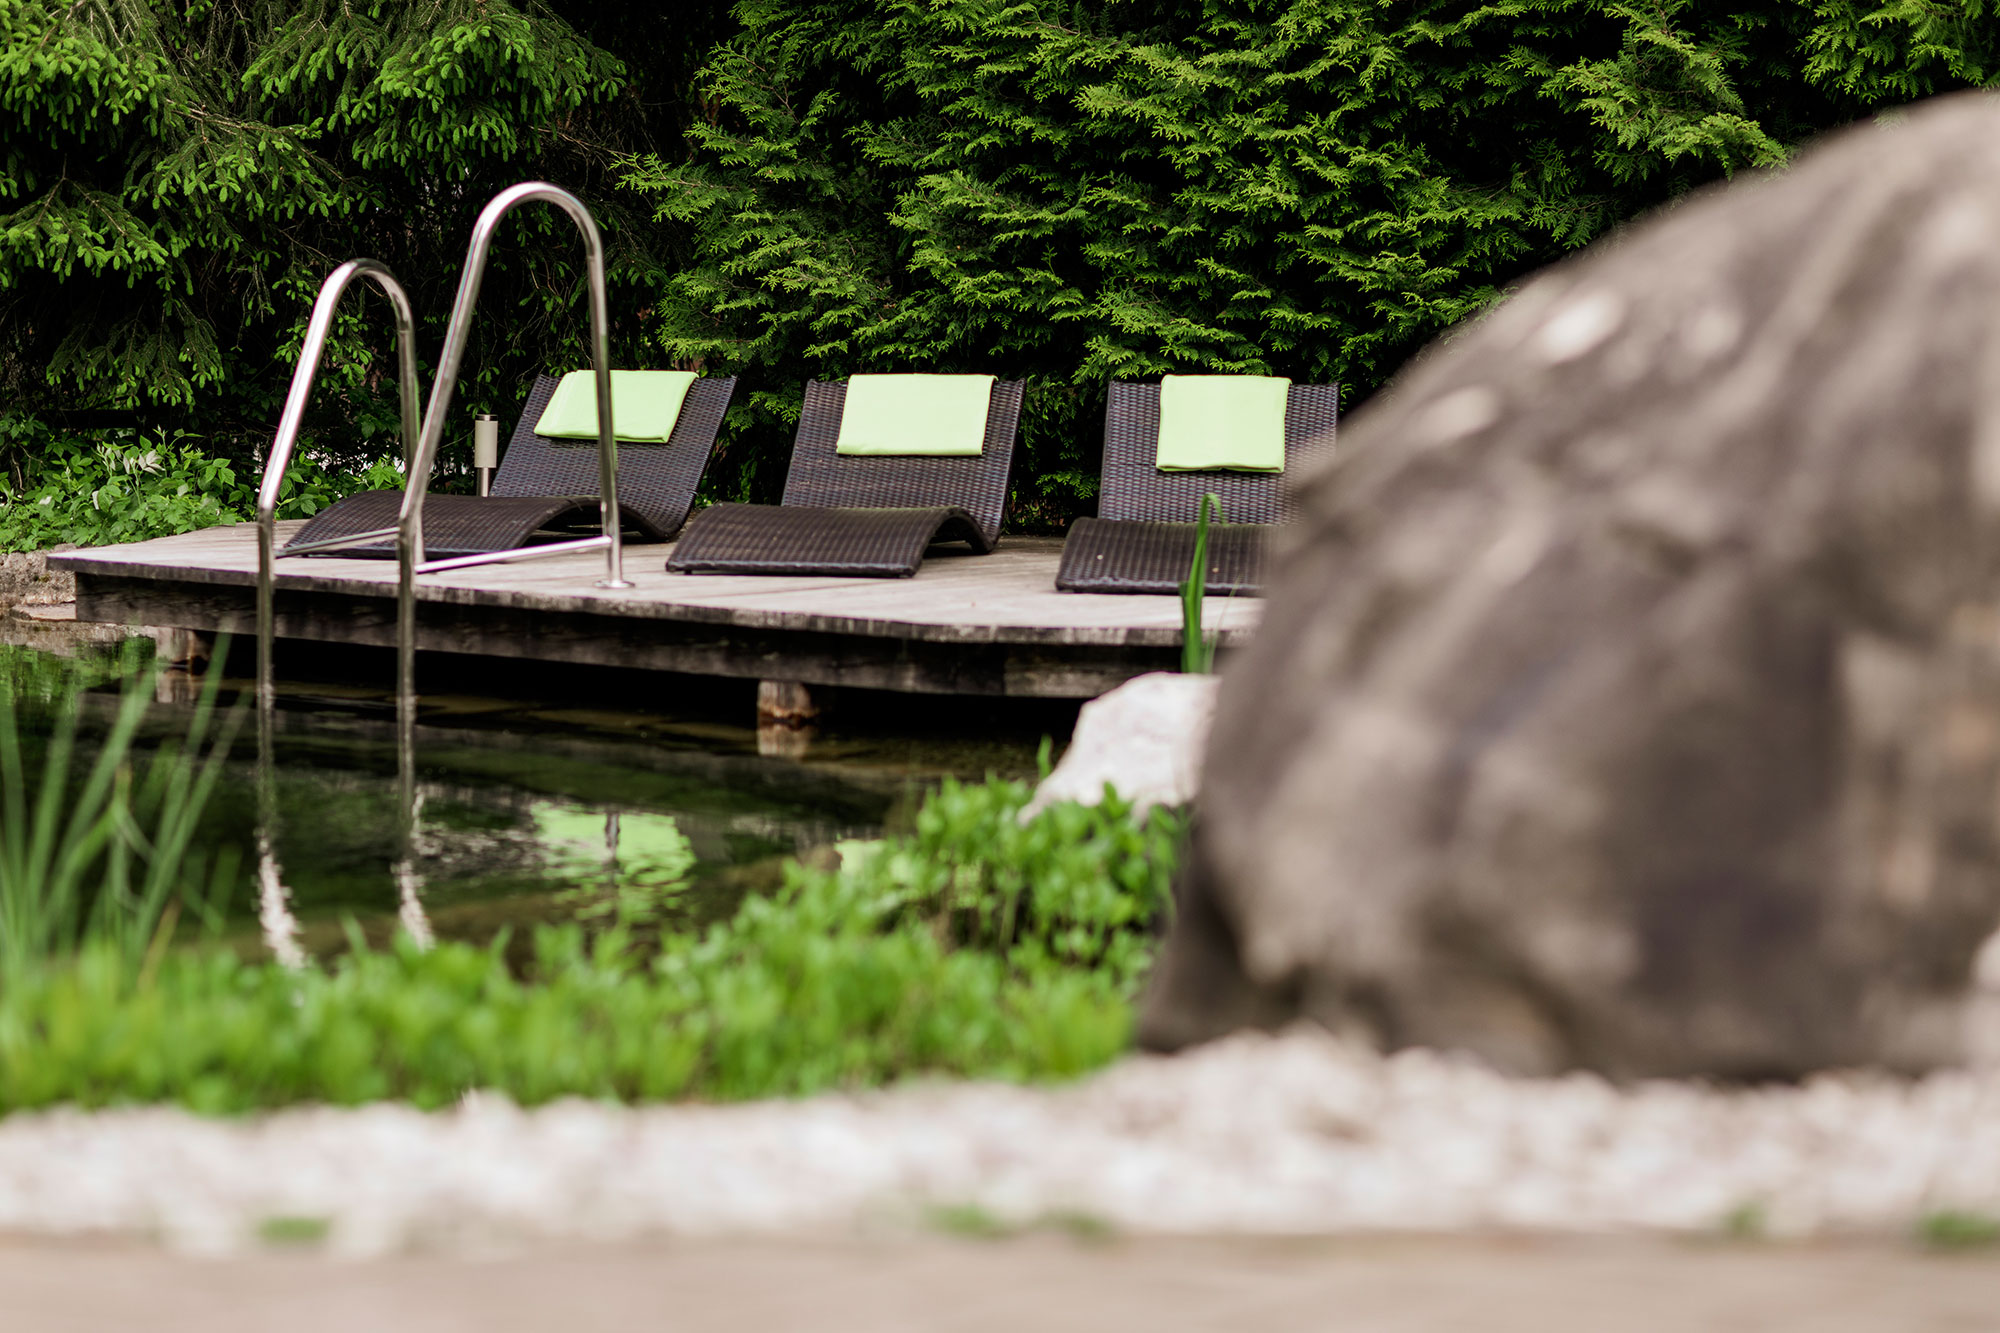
<point x="974" y="945"/>
<point x="126" y="486"/>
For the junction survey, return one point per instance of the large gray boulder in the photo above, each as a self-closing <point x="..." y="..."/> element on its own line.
<point x="1629" y="692"/>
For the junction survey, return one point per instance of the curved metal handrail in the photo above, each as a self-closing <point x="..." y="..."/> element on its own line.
<point x="287" y="438"/>
<point x="410" y="521"/>
<point x="421" y="440"/>
<point x="274" y="906"/>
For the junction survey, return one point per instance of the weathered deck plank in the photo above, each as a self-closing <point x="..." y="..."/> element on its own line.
<point x="965" y="624"/>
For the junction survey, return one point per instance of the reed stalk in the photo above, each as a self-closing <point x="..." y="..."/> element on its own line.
<point x="1197" y="649"/>
<point x="97" y="848"/>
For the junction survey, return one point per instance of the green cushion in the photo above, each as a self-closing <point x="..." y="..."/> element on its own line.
<point x="915" y="414"/>
<point x="1234" y="422"/>
<point x="644" y="405"/>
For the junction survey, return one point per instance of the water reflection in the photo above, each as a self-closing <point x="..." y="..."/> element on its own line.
<point x="559" y="797"/>
<point x="552" y="796"/>
<point x="274" y="905"/>
<point x="409" y="805"/>
<point x="483" y="820"/>
<point x="409" y="885"/>
<point x="784" y="740"/>
<point x="275" y="920"/>
<point x="176" y="685"/>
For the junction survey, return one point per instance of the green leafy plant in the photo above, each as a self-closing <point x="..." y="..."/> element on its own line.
<point x="291" y="1230"/>
<point x="1747" y="1221"/>
<point x="1197" y="648"/>
<point x="976" y="945"/>
<point x="969" y="1220"/>
<point x="129" y="486"/>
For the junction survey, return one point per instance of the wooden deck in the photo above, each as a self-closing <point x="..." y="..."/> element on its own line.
<point x="978" y="625"/>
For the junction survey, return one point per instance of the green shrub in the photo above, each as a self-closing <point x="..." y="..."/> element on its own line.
<point x="976" y="946"/>
<point x="129" y="487"/>
<point x="1066" y="189"/>
<point x="1080" y="885"/>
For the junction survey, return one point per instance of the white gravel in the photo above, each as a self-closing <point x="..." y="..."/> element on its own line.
<point x="1274" y="1135"/>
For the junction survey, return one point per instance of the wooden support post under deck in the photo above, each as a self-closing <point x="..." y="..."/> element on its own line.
<point x="787" y="718"/>
<point x="785" y="703"/>
<point x="187" y="649"/>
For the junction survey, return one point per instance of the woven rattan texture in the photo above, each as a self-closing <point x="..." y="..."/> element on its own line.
<point x="828" y="480"/>
<point x="453" y="524"/>
<point x="656" y="482"/>
<point x="807" y="539"/>
<point x="1135" y="490"/>
<point x="543" y="482"/>
<point x="1102" y="556"/>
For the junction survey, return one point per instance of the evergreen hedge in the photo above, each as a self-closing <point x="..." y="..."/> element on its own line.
<point x="1119" y="188"/>
<point x="1066" y="189"/>
<point x="178" y="176"/>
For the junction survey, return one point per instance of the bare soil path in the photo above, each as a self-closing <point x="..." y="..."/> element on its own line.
<point x="1039" y="1282"/>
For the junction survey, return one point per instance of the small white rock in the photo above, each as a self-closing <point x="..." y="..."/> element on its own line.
<point x="1145" y="738"/>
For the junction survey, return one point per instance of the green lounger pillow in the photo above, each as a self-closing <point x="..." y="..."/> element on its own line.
<point x="645" y="404"/>
<point x="935" y="415"/>
<point x="1211" y="422"/>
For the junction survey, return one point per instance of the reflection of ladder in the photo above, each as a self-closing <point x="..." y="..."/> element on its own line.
<point x="420" y="446"/>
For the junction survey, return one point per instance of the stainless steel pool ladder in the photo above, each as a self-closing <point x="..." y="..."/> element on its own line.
<point x="421" y="456"/>
<point x="273" y="899"/>
<point x="455" y="335"/>
<point x="420" y="445"/>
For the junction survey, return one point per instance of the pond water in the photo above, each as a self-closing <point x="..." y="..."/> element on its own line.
<point x="549" y="794"/>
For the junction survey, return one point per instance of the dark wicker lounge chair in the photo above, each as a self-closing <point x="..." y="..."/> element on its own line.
<point x="544" y="484"/>
<point x="872" y="517"/>
<point x="1143" y="538"/>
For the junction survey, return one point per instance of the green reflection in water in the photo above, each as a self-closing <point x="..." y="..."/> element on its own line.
<point x="631" y="868"/>
<point x="518" y="796"/>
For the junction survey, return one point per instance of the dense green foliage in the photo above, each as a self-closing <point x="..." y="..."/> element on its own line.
<point x="126" y="487"/>
<point x="976" y="945"/>
<point x="1066" y="189"/>
<point x="1085" y="189"/>
<point x="177" y="176"/>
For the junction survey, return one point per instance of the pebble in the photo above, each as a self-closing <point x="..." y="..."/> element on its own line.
<point x="1291" y="1134"/>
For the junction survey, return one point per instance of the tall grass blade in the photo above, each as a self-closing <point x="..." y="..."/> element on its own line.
<point x="1197" y="651"/>
<point x="68" y="841"/>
